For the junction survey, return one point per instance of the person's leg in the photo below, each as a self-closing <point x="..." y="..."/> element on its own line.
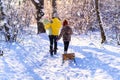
<point x="55" y="44"/>
<point x="66" y="44"/>
<point x="65" y="47"/>
<point x="51" y="44"/>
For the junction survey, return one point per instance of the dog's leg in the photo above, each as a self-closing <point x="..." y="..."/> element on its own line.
<point x="62" y="61"/>
<point x="74" y="61"/>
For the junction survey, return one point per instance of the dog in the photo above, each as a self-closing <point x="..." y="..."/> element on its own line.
<point x="68" y="56"/>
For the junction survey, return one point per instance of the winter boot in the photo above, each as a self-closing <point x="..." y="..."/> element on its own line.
<point x="51" y="52"/>
<point x="1" y="53"/>
<point x="55" y="51"/>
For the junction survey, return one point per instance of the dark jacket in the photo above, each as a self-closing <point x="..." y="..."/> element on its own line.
<point x="66" y="33"/>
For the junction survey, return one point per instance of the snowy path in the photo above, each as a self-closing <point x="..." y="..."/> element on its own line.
<point x="30" y="60"/>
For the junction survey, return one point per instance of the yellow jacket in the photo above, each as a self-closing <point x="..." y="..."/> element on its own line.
<point x="55" y="26"/>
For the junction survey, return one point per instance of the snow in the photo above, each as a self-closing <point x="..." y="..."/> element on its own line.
<point x="29" y="59"/>
<point x="37" y="1"/>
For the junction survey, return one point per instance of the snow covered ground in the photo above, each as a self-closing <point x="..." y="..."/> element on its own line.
<point x="29" y="59"/>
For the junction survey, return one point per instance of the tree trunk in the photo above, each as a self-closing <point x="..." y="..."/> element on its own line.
<point x="39" y="14"/>
<point x="54" y="13"/>
<point x="7" y="33"/>
<point x="100" y="23"/>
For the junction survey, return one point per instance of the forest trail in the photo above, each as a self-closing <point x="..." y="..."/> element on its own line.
<point x="30" y="60"/>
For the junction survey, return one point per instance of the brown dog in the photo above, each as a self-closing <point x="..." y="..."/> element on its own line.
<point x="69" y="56"/>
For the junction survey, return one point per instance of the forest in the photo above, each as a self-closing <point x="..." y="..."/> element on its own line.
<point x="25" y="46"/>
<point x="84" y="16"/>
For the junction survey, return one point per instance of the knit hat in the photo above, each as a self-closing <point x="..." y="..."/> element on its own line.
<point x="65" y="22"/>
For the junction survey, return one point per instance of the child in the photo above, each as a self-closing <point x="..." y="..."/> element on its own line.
<point x="66" y="33"/>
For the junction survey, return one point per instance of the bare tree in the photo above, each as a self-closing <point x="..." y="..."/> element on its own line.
<point x="99" y="21"/>
<point x="5" y="24"/>
<point x="39" y="14"/>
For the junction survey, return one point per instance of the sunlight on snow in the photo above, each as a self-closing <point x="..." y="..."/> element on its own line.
<point x="101" y="75"/>
<point x="30" y="60"/>
<point x="112" y="48"/>
<point x="107" y="59"/>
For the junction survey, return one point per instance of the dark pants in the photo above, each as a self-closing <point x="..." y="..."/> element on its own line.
<point x="53" y="44"/>
<point x="66" y="45"/>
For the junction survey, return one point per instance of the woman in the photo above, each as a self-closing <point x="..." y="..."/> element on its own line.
<point x="54" y="28"/>
<point x="66" y="33"/>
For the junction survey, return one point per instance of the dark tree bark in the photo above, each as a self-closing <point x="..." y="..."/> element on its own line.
<point x="39" y="13"/>
<point x="7" y="33"/>
<point x="54" y="13"/>
<point x="99" y="21"/>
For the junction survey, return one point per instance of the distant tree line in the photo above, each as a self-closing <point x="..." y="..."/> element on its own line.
<point x="83" y="15"/>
